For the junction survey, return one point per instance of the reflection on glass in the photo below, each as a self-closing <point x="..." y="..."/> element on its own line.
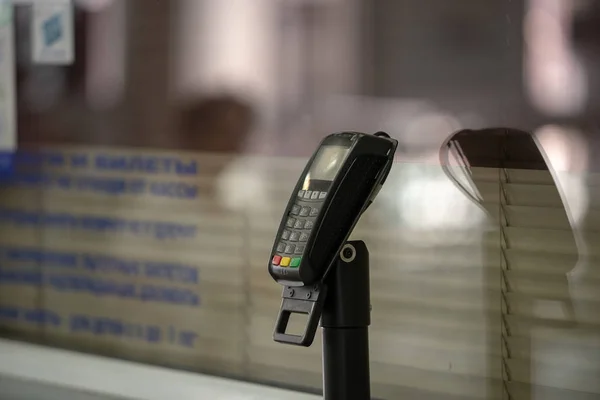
<point x="212" y="107"/>
<point x="327" y="162"/>
<point x="564" y="149"/>
<point x="457" y="168"/>
<point x="555" y="76"/>
<point x="430" y="208"/>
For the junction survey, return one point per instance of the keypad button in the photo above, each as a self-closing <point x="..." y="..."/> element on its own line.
<point x="299" y="249"/>
<point x="308" y="225"/>
<point x="295" y="209"/>
<point x="305" y="211"/>
<point x="290" y="248"/>
<point x="281" y="247"/>
<point x="285" y="261"/>
<point x="290" y="222"/>
<point x="300" y="193"/>
<point x="314" y="212"/>
<point x="295" y="263"/>
<point x="299" y="224"/>
<point x="322" y="195"/>
<point x="295" y="236"/>
<point x="286" y="234"/>
<point x="307" y="194"/>
<point x="303" y="237"/>
<point x="276" y="260"/>
<point x="314" y="195"/>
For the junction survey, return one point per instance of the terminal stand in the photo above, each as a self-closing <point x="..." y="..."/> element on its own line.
<point x="342" y="303"/>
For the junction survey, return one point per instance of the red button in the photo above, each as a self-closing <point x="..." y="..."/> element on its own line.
<point x="276" y="260"/>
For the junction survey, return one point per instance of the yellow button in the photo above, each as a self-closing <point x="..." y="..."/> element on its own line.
<point x="285" y="261"/>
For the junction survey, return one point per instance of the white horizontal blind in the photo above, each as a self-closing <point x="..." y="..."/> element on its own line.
<point x="479" y="312"/>
<point x="551" y="329"/>
<point x="215" y="251"/>
<point x="466" y="300"/>
<point x="435" y="288"/>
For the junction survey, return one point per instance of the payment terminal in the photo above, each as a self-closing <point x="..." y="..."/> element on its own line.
<point x="339" y="182"/>
<point x="337" y="185"/>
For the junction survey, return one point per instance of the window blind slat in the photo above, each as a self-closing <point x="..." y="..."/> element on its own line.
<point x="452" y="302"/>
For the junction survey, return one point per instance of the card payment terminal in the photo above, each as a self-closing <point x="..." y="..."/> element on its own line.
<point x="339" y="182"/>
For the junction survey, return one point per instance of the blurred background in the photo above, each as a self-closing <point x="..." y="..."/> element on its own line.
<point x="152" y="171"/>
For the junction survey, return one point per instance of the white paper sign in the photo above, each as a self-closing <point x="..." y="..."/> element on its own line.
<point x="8" y="131"/>
<point x="53" y="36"/>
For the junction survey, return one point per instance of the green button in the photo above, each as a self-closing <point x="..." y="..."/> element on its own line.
<point x="295" y="262"/>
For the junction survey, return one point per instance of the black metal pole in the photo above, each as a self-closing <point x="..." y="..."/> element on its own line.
<point x="345" y="321"/>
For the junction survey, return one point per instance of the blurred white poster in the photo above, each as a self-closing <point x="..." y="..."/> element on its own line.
<point x="7" y="82"/>
<point x="53" y="36"/>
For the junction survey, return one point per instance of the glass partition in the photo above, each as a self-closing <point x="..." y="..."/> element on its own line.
<point x="138" y="213"/>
